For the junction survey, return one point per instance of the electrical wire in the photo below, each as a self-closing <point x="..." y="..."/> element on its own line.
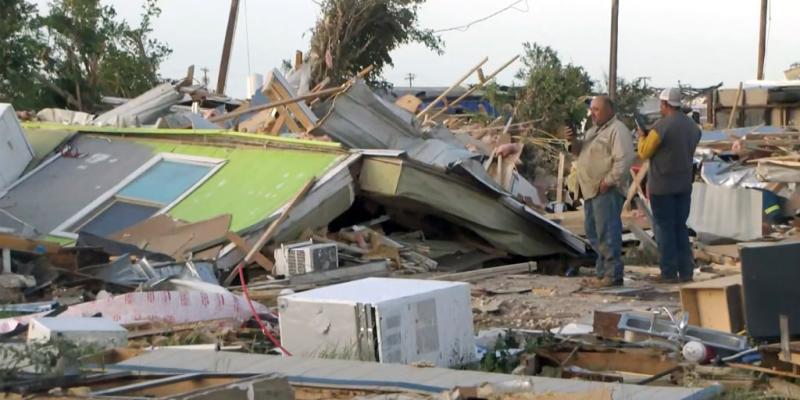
<point x="260" y="323"/>
<point x="246" y="37"/>
<point x="465" y="27"/>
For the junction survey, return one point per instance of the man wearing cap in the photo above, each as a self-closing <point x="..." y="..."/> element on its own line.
<point x="605" y="156"/>
<point x="670" y="147"/>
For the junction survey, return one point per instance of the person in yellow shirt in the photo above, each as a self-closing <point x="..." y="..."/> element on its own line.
<point x="670" y="147"/>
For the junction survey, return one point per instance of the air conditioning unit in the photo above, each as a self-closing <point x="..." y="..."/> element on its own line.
<point x="305" y="257"/>
<point x="387" y="320"/>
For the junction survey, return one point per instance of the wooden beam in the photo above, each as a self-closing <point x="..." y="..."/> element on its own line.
<point x="298" y="59"/>
<point x="453" y="86"/>
<point x="273" y="227"/>
<point x="478" y="86"/>
<point x="267" y="235"/>
<point x="226" y="47"/>
<point x="27" y="245"/>
<point x="560" y="181"/>
<point x="735" y="106"/>
<point x="247" y="110"/>
<point x="241" y="243"/>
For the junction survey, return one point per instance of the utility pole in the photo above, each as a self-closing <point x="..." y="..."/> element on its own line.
<point x="762" y="40"/>
<point x="612" y="67"/>
<point x="410" y="77"/>
<point x="205" y="76"/>
<point x="226" y="47"/>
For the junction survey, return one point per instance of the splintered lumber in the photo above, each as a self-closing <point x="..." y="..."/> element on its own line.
<point x="487" y="272"/>
<point x="275" y="224"/>
<point x="560" y="182"/>
<point x="637" y="182"/>
<point x="243" y="246"/>
<point x="735" y="107"/>
<point x="273" y="227"/>
<point x="453" y="86"/>
<point x="477" y="86"/>
<point x="238" y="113"/>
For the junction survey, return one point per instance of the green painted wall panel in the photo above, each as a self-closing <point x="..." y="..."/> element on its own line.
<point x="251" y="185"/>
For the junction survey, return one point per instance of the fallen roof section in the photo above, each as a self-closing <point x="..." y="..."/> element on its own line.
<point x="368" y="375"/>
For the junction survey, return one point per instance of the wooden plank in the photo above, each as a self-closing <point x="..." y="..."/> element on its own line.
<point x="476" y="87"/>
<point x="241" y="243"/>
<point x="290" y="121"/>
<point x="486" y="272"/>
<point x="278" y="124"/>
<point x="238" y="113"/>
<point x="17" y="243"/>
<point x="640" y="361"/>
<point x="560" y="181"/>
<point x="764" y="370"/>
<point x="298" y="59"/>
<point x="453" y="86"/>
<point x="735" y="106"/>
<point x="715" y="304"/>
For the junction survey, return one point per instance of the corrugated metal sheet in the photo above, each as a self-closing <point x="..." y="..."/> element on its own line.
<point x="342" y="373"/>
<point x="722" y="212"/>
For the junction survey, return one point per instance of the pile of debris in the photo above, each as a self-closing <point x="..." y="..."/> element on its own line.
<point x="188" y="240"/>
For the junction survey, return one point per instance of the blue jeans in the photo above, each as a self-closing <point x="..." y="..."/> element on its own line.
<point x="670" y="212"/>
<point x="604" y="230"/>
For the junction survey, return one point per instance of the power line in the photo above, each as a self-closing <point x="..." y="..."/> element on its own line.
<point x="246" y="37"/>
<point x="511" y="6"/>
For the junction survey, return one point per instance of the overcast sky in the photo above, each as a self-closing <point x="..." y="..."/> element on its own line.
<point x="699" y="42"/>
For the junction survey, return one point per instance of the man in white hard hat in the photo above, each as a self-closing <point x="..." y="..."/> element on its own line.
<point x="670" y="147"/>
<point x="605" y="156"/>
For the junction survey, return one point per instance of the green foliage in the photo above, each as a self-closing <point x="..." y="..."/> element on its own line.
<point x="553" y="91"/>
<point x="21" y="47"/>
<point x="53" y="358"/>
<point x="359" y="33"/>
<point x="76" y="53"/>
<point x="630" y="96"/>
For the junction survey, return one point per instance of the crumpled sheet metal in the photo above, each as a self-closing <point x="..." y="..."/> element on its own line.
<point x="142" y="110"/>
<point x="361" y="120"/>
<point x="170" y="307"/>
<point x="720" y="173"/>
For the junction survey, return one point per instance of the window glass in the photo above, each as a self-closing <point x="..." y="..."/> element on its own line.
<point x="165" y="181"/>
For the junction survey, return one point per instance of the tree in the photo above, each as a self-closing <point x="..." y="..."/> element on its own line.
<point x="353" y="34"/>
<point x="92" y="54"/>
<point x="630" y="96"/>
<point x="21" y="47"/>
<point x="552" y="91"/>
<point x="74" y="54"/>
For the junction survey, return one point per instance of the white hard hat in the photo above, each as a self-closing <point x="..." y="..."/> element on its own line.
<point x="672" y="96"/>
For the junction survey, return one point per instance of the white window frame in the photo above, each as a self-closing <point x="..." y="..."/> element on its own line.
<point x="62" y="230"/>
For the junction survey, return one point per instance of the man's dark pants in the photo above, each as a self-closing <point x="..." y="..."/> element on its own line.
<point x="670" y="212"/>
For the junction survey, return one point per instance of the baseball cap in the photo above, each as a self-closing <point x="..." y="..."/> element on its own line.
<point x="672" y="96"/>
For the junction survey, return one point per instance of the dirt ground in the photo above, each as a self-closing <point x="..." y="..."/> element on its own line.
<point x="533" y="301"/>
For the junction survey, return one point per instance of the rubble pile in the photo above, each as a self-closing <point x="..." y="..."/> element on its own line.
<point x="315" y="241"/>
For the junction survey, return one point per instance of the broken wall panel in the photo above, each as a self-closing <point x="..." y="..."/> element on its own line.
<point x="142" y="110"/>
<point x="403" y="184"/>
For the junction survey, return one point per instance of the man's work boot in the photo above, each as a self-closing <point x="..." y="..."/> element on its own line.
<point x="599" y="283"/>
<point x="661" y="279"/>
